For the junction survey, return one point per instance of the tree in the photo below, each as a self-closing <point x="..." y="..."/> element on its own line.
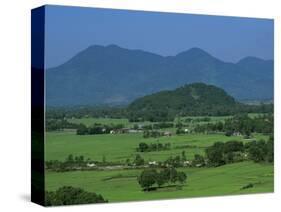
<point x="183" y="156"/>
<point x="181" y="177"/>
<point x="160" y="180"/>
<point x="139" y="160"/>
<point x="143" y="147"/>
<point x="270" y="151"/>
<point x="258" y="151"/>
<point x="214" y="154"/>
<point x="82" y="130"/>
<point x="198" y="159"/>
<point x="147" y="178"/>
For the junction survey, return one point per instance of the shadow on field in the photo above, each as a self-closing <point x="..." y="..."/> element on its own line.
<point x="164" y="188"/>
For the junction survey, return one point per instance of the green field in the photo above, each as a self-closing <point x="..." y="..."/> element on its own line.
<point x="119" y="147"/>
<point x="122" y="185"/>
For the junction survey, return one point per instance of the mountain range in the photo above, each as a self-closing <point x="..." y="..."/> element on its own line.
<point x="113" y="75"/>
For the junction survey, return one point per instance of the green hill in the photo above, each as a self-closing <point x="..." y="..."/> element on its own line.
<point x="192" y="99"/>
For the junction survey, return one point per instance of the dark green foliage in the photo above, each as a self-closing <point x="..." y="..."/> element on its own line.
<point x="233" y="151"/>
<point x="151" y="177"/>
<point x="143" y="147"/>
<point x="261" y="151"/>
<point x="59" y="124"/>
<point x="147" y="178"/>
<point x="241" y="124"/>
<point x="68" y="195"/>
<point x="193" y="99"/>
<point x="82" y="130"/>
<point x="183" y="156"/>
<point x="198" y="160"/>
<point x="214" y="154"/>
<point x="181" y="177"/>
<point x="97" y="129"/>
<point x="174" y="161"/>
<point x="139" y="161"/>
<point x="163" y="125"/>
<point x="222" y="153"/>
<point x="152" y="134"/>
<point x="86" y="111"/>
<point x="70" y="163"/>
<point x="233" y="146"/>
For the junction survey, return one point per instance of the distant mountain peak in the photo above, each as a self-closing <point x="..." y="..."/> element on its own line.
<point x="252" y="59"/>
<point x="194" y="52"/>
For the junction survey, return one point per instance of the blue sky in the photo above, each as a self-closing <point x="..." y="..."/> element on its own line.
<point x="72" y="29"/>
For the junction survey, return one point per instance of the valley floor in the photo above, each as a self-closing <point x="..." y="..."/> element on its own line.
<point x="122" y="185"/>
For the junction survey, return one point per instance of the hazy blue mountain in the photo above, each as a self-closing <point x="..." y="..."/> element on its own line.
<point x="115" y="75"/>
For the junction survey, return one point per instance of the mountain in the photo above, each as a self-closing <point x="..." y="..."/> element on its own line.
<point x="192" y="99"/>
<point x="115" y="75"/>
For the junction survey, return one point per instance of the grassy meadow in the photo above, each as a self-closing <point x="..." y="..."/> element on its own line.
<point x="122" y="185"/>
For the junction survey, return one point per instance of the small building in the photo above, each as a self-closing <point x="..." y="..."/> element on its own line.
<point x="91" y="165"/>
<point x="167" y="133"/>
<point x="236" y="134"/>
<point x="152" y="163"/>
<point x="186" y="163"/>
<point x="186" y="130"/>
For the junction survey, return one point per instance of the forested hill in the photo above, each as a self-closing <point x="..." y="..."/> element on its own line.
<point x="192" y="99"/>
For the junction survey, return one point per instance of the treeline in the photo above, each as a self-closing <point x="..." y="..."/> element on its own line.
<point x="144" y="147"/>
<point x="160" y="125"/>
<point x="234" y="151"/>
<point x="158" y="114"/>
<point x="242" y="124"/>
<point x="72" y="163"/>
<point x="97" y="129"/>
<point x="86" y="111"/>
<point x="68" y="195"/>
<point x="152" y="134"/>
<point x="59" y="124"/>
<point x="168" y="114"/>
<point x="152" y="177"/>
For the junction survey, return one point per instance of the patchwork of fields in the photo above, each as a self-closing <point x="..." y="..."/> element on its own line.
<point x="122" y="185"/>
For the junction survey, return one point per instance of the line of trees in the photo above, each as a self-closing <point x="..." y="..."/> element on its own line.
<point x="97" y="129"/>
<point x="152" y="177"/>
<point x="144" y="147"/>
<point x="239" y="123"/>
<point x="59" y="124"/>
<point x="72" y="163"/>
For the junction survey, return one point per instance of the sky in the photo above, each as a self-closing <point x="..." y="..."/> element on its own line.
<point x="69" y="30"/>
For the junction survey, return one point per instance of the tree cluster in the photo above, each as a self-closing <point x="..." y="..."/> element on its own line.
<point x="151" y="177"/>
<point x="234" y="151"/>
<point x="261" y="151"/>
<point x="240" y="123"/>
<point x="68" y="195"/>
